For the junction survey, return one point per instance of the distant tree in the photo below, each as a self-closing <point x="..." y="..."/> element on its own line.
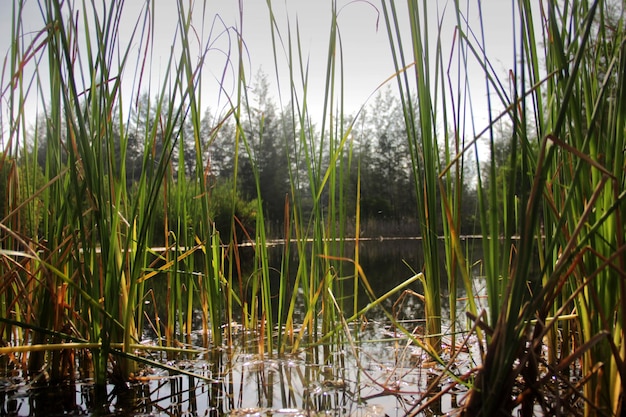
<point x="268" y="155"/>
<point x="386" y="180"/>
<point x="226" y="202"/>
<point x="511" y="179"/>
<point x="145" y="136"/>
<point x="459" y="180"/>
<point x="142" y="119"/>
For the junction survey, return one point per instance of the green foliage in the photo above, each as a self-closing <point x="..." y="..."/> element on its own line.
<point x="21" y="206"/>
<point x="84" y="202"/>
<point x="563" y="203"/>
<point x="423" y="142"/>
<point x="224" y="203"/>
<point x="226" y="209"/>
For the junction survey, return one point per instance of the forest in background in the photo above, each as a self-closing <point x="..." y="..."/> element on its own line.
<point x="377" y="157"/>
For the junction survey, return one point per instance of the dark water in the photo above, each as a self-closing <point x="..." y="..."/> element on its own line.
<point x="376" y="373"/>
<point x="388" y="262"/>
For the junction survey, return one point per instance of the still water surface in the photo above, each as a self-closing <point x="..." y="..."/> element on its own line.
<point x="377" y="372"/>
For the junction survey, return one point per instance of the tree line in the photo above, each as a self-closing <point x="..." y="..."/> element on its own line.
<point x="273" y="163"/>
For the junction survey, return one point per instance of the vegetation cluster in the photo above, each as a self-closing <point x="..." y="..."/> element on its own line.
<point x="106" y="195"/>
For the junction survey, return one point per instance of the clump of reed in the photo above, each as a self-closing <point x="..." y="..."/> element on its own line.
<point x="78" y="258"/>
<point x="87" y="273"/>
<point x="559" y="206"/>
<point x="80" y="275"/>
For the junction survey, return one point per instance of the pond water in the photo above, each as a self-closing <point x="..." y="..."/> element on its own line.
<point x="378" y="371"/>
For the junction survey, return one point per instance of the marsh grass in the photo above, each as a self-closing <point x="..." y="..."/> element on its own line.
<point x="77" y="257"/>
<point x="85" y="273"/>
<point x="86" y="276"/>
<point x="567" y="213"/>
<point x="561" y="195"/>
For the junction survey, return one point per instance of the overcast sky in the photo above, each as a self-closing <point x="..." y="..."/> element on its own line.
<point x="366" y="51"/>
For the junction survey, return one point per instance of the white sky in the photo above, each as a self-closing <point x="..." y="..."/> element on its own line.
<point x="366" y="50"/>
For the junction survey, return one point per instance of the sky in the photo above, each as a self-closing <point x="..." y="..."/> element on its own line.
<point x="365" y="46"/>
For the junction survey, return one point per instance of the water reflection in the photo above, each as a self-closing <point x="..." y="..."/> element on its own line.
<point x="380" y="372"/>
<point x="387" y="263"/>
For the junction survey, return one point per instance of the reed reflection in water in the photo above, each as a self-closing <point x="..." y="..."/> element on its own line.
<point x="381" y="374"/>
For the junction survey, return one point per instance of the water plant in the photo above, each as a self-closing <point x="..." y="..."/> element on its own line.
<point x="562" y="202"/>
<point x="85" y="264"/>
<point x="120" y="180"/>
<point x="559" y="204"/>
<point x="113" y="194"/>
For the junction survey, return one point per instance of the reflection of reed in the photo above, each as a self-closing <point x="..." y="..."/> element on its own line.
<point x="244" y="384"/>
<point x="244" y="381"/>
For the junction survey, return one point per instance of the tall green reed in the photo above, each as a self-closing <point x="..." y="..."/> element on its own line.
<point x="588" y="133"/>
<point x="318" y="176"/>
<point x="87" y="280"/>
<point x="560" y="204"/>
<point x="423" y="141"/>
<point x="108" y="245"/>
<point x="567" y="211"/>
<point x="97" y="264"/>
